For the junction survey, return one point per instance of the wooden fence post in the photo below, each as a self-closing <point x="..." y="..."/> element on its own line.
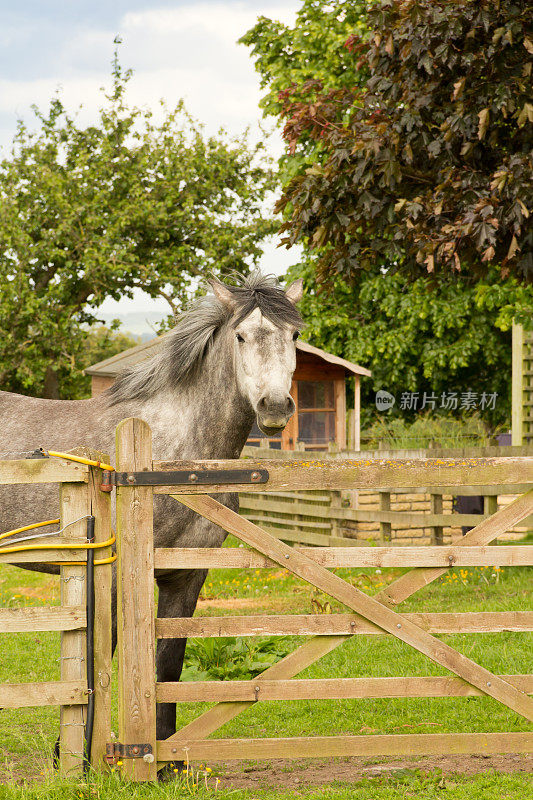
<point x="356" y="442"/>
<point x="101" y="510"/>
<point x="74" y="503"/>
<point x="336" y="503"/>
<point x="385" y="528"/>
<point x="517" y="386"/>
<point x="436" y="530"/>
<point x="136" y="612"/>
<point x="490" y="505"/>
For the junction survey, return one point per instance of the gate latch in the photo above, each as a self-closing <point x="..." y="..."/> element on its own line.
<point x="116" y="751"/>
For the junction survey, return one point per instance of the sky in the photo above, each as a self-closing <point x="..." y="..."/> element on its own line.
<point x="176" y="49"/>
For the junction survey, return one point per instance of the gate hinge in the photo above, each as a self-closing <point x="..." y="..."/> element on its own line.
<point x="116" y="751"/>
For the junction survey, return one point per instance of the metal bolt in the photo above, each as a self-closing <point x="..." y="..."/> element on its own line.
<point x="287" y="555"/>
<point x="131" y="478"/>
<point x="174" y="749"/>
<point x="488" y="683"/>
<point x="399" y="625"/>
<point x="193" y="477"/>
<point x="147" y="694"/>
<point x="256" y="476"/>
<point x="135" y="749"/>
<point x="257" y="689"/>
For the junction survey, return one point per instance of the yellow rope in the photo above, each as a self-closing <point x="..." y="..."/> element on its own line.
<point x="80" y="460"/>
<point x="97" y="563"/>
<point x="106" y="560"/>
<point x="87" y="546"/>
<point x="29" y="527"/>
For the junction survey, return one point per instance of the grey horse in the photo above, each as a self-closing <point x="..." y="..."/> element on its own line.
<point x="229" y="360"/>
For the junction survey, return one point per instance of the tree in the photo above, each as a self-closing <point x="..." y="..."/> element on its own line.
<point x="429" y="164"/>
<point x="413" y="339"/>
<point x="89" y="213"/>
<point x="416" y="329"/>
<point x="305" y="57"/>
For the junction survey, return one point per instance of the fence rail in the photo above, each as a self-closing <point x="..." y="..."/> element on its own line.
<point x="389" y="514"/>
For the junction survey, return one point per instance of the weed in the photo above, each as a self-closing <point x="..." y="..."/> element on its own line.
<point x="229" y="658"/>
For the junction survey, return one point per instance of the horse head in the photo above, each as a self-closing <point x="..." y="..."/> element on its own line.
<point x="263" y="328"/>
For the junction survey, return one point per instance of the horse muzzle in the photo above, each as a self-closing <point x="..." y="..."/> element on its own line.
<point x="273" y="414"/>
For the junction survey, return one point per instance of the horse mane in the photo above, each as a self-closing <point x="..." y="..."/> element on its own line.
<point x="186" y="346"/>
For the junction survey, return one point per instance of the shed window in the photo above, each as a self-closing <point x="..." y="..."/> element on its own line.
<point x="316" y="413"/>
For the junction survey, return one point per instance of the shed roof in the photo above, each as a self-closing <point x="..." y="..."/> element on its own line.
<point x="111" y="367"/>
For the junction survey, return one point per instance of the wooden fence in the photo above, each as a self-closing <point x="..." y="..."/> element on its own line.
<point x="80" y="497"/>
<point x="522" y="386"/>
<point x="189" y="483"/>
<point x="411" y="516"/>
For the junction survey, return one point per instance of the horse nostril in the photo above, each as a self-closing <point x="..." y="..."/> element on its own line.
<point x="276" y="405"/>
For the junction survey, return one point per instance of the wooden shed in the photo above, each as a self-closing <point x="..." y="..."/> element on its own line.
<point x="318" y="389"/>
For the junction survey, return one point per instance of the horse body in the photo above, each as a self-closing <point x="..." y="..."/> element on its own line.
<point x="200" y="398"/>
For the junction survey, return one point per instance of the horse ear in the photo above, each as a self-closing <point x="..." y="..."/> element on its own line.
<point x="222" y="293"/>
<point x="295" y="291"/>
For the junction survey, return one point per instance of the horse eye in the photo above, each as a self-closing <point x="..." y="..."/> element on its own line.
<point x="239" y="338"/>
<point x="295" y="335"/>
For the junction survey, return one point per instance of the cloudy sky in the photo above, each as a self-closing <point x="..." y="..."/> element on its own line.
<point x="176" y="49"/>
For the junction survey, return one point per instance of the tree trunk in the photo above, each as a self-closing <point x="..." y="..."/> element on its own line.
<point x="51" y="384"/>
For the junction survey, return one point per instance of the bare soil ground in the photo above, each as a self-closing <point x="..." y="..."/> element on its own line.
<point x="308" y="773"/>
<point x="318" y="772"/>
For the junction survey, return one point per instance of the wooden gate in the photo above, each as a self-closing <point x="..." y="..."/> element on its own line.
<point x="80" y="498"/>
<point x="189" y="483"/>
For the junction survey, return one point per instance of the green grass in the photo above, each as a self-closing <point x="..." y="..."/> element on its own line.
<point x="428" y="430"/>
<point x="407" y="784"/>
<point x="27" y="735"/>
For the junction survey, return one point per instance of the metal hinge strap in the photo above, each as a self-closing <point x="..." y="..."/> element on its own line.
<point x="187" y="477"/>
<point x="116" y="751"/>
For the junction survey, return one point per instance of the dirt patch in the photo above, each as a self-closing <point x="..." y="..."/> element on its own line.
<point x="19" y="769"/>
<point x="320" y="772"/>
<point x="304" y="773"/>
<point x="46" y="591"/>
<point x="274" y="603"/>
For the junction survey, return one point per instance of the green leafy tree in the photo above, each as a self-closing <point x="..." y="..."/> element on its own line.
<point x="301" y="60"/>
<point x="414" y="340"/>
<point x="93" y="212"/>
<point x="314" y="50"/>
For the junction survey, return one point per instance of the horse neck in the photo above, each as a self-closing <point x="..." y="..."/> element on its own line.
<point x="208" y="418"/>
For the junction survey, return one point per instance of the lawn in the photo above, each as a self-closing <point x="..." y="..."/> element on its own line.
<point x="27" y="735"/>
